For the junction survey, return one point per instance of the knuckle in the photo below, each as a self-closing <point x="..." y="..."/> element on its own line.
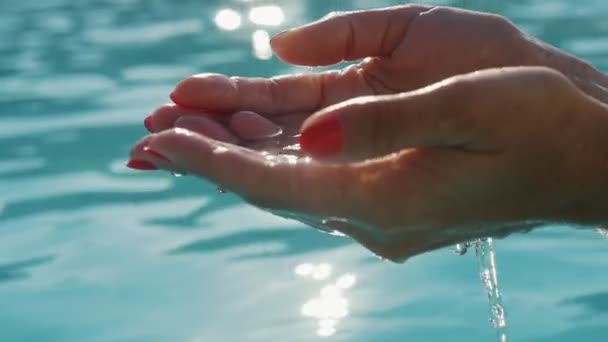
<point x="551" y="79"/>
<point x="549" y="83"/>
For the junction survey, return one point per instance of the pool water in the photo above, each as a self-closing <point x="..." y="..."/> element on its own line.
<point x="91" y="251"/>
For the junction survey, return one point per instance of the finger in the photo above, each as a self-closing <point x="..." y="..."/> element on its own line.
<point x="245" y="125"/>
<point x="164" y="117"/>
<point x="138" y="148"/>
<point x="266" y="181"/>
<point x="144" y="159"/>
<point x="279" y="95"/>
<point x="252" y="126"/>
<point x="207" y="127"/>
<point x="348" y="36"/>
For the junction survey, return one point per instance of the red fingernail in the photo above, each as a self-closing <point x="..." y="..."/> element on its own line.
<point x="141" y="165"/>
<point x="324" y="139"/>
<point x="148" y="123"/>
<point x="155" y="154"/>
<point x="172" y="96"/>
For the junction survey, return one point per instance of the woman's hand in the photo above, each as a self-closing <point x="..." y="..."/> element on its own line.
<point x="467" y="157"/>
<point x="406" y="47"/>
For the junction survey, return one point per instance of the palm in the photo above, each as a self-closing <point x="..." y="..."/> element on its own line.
<point x="286" y="141"/>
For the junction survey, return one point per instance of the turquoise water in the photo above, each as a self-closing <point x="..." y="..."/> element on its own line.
<point x="90" y="251"/>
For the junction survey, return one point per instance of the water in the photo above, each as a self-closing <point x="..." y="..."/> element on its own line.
<point x="90" y="251"/>
<point x="488" y="274"/>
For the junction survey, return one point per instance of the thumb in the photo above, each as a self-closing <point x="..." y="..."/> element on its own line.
<point x="346" y="36"/>
<point x="373" y="126"/>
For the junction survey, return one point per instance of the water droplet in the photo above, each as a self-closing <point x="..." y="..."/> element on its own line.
<point x="487" y="281"/>
<point x="497" y="317"/>
<point x="221" y="190"/>
<point x="484" y="249"/>
<point x="220" y="149"/>
<point x="294" y="147"/>
<point x="331" y="223"/>
<point x="461" y="248"/>
<point x="271" y="160"/>
<point x="336" y="220"/>
<point x="305" y="160"/>
<point x="177" y="174"/>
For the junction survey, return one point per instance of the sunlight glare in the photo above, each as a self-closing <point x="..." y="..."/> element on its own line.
<point x="260" y="41"/>
<point x="228" y="19"/>
<point x="267" y="15"/>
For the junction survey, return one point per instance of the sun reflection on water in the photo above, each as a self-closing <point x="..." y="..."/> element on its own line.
<point x="260" y="41"/>
<point x="228" y="19"/>
<point x="331" y="305"/>
<point x="267" y="15"/>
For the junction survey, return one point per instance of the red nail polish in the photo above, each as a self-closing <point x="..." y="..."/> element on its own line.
<point x="173" y="97"/>
<point x="148" y="123"/>
<point x="141" y="165"/>
<point x="324" y="139"/>
<point x="155" y="154"/>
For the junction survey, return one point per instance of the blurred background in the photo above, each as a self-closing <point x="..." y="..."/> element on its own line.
<point x="90" y="251"/>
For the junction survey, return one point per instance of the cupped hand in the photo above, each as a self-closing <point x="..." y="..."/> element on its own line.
<point x="473" y="155"/>
<point x="403" y="48"/>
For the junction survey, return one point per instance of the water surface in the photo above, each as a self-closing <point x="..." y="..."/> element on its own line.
<point x="90" y="251"/>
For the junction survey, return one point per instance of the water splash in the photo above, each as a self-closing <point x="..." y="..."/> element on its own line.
<point x="486" y="258"/>
<point x="332" y="222"/>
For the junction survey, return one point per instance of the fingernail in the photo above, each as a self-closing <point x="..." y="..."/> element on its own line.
<point x="148" y="123"/>
<point x="155" y="154"/>
<point x="324" y="139"/>
<point x="173" y="97"/>
<point x="137" y="164"/>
